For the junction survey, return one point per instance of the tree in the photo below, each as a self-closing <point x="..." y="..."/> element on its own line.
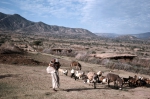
<point x="37" y="43"/>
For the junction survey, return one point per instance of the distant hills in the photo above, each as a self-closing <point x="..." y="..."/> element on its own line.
<point x="16" y="23"/>
<point x="107" y="35"/>
<point x="144" y="36"/>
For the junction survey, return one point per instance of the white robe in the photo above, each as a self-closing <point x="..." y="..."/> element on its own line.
<point x="54" y="75"/>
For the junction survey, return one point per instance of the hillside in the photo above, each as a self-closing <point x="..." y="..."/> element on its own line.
<point x="16" y="23"/>
<point x="107" y="35"/>
<point x="126" y="37"/>
<point x="142" y="35"/>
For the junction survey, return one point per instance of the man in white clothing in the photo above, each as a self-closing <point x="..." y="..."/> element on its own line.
<point x="53" y="70"/>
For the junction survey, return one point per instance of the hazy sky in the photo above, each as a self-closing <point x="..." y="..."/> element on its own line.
<point x="97" y="16"/>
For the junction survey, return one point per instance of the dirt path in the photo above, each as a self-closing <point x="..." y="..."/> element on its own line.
<point x="31" y="82"/>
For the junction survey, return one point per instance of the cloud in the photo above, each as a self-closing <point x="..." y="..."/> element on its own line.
<point x="8" y="11"/>
<point x="98" y="15"/>
<point x="57" y="8"/>
<point x="105" y="14"/>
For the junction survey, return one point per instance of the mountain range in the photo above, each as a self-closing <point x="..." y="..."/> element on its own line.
<point x="16" y="23"/>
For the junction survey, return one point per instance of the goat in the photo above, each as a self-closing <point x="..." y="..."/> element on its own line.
<point x="92" y="78"/>
<point x="132" y="81"/>
<point x="140" y="83"/>
<point x="78" y="75"/>
<point x="72" y="73"/>
<point x="99" y="73"/>
<point x="148" y="81"/>
<point x="125" y="80"/>
<point x="103" y="79"/>
<point x="62" y="71"/>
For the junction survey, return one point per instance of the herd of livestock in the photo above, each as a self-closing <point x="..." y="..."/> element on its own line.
<point x="98" y="77"/>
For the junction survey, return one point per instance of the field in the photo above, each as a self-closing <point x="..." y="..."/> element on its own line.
<point x="24" y="58"/>
<point x="30" y="81"/>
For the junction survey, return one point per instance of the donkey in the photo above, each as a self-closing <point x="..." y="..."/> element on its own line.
<point x="116" y="79"/>
<point x="75" y="64"/>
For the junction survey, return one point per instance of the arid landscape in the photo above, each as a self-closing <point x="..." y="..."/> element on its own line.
<point x="32" y="82"/>
<point x="26" y="49"/>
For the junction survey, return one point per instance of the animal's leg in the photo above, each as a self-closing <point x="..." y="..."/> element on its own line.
<point x="108" y="83"/>
<point x="94" y="85"/>
<point x="72" y="74"/>
<point x="114" y="83"/>
<point x="79" y="77"/>
<point x="75" y="77"/>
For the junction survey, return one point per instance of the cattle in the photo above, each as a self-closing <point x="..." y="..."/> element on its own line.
<point x="75" y="64"/>
<point x="118" y="82"/>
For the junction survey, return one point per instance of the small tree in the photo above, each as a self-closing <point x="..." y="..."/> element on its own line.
<point x="37" y="43"/>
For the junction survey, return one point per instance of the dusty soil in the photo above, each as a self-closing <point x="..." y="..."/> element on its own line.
<point x="19" y="59"/>
<point x="30" y="81"/>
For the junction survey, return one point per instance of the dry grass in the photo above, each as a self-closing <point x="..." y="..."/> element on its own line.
<point x="32" y="82"/>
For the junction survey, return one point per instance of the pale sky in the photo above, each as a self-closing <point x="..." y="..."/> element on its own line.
<point x="97" y="16"/>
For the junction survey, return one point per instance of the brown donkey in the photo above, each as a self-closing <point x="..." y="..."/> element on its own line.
<point x="75" y="64"/>
<point x="116" y="79"/>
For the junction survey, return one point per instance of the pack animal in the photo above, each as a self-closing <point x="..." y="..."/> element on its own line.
<point x="118" y="82"/>
<point x="75" y="64"/>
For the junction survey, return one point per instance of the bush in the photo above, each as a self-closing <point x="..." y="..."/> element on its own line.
<point x="37" y="43"/>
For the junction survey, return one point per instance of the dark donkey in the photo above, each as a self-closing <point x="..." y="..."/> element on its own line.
<point x="116" y="79"/>
<point x="75" y="64"/>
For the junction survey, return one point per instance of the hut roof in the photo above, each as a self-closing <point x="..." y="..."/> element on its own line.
<point x="111" y="55"/>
